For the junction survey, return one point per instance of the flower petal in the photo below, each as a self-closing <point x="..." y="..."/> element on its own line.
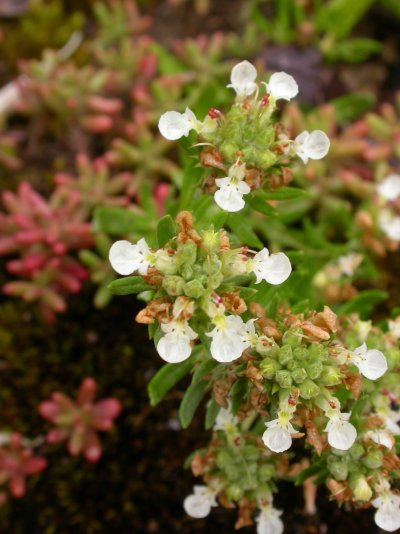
<point x="277" y="439"/>
<point x="317" y="145"/>
<point x="196" y="507"/>
<point x="389" y="189"/>
<point x="124" y="257"/>
<point x="277" y="268"/>
<point x="374" y="365"/>
<point x="282" y="86"/>
<point x="243" y="76"/>
<point x="342" y="435"/>
<point x="229" y="198"/>
<point x="174" y="125"/>
<point x="174" y="347"/>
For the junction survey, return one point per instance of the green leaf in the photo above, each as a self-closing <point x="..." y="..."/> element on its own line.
<point x="284" y="193"/>
<point x="316" y="467"/>
<point x="203" y="369"/>
<point x="351" y="106"/>
<point x="190" y="402"/>
<point x="364" y="302"/>
<point x="212" y="412"/>
<point x="353" y="50"/>
<point x="128" y="285"/>
<point x="240" y="227"/>
<point x="166" y="378"/>
<point x="337" y="17"/>
<point x="167" y="63"/>
<point x="166" y="230"/>
<point x="237" y="394"/>
<point x="258" y="202"/>
<point x="120" y="221"/>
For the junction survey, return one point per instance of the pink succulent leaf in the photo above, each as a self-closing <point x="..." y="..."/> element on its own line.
<point x="34" y="465"/>
<point x="104" y="412"/>
<point x="87" y="392"/>
<point x="57" y="435"/>
<point x="77" y="441"/>
<point x="17" y="486"/>
<point x="49" y="410"/>
<point x="92" y="450"/>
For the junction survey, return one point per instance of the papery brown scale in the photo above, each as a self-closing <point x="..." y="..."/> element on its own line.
<point x="210" y="157"/>
<point x="197" y="465"/>
<point x="354" y="384"/>
<point x="153" y="277"/>
<point x="224" y="244"/>
<point x="374" y="421"/>
<point x="234" y="303"/>
<point x="314" y="333"/>
<point x="252" y="177"/>
<point x="327" y="320"/>
<point x="224" y="502"/>
<point x="391" y="461"/>
<point x="246" y="508"/>
<point x="339" y="490"/>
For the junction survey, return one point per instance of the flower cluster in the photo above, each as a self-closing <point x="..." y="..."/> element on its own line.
<point x="245" y="143"/>
<point x="193" y="277"/>
<point x="79" y="421"/>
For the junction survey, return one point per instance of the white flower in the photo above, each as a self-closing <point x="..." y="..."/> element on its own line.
<point x="174" y="125"/>
<point x="389" y="189"/>
<point x="394" y="327"/>
<point x="269" y="521"/>
<point x="175" y="346"/>
<point x="381" y="437"/>
<point x="226" y="421"/>
<point x="389" y="224"/>
<point x="341" y="434"/>
<point x="273" y="268"/>
<point x="371" y="363"/>
<point x="314" y="145"/>
<point x="228" y="338"/>
<point x="349" y="263"/>
<point x="243" y="77"/>
<point x="199" y="504"/>
<point x="229" y="196"/>
<point x="127" y="258"/>
<point x="278" y="437"/>
<point x="390" y="419"/>
<point x="387" y="515"/>
<point x="282" y="86"/>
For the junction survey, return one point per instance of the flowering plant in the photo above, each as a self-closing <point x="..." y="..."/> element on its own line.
<point x="279" y="374"/>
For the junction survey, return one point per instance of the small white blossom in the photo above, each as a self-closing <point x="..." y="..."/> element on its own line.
<point x="269" y="521"/>
<point x="371" y="363"/>
<point x="243" y="78"/>
<point x="282" y="86"/>
<point x="389" y="224"/>
<point x="229" y="196"/>
<point x="175" y="346"/>
<point x="341" y="433"/>
<point x="387" y="515"/>
<point x="381" y="437"/>
<point x="226" y="421"/>
<point x="278" y="437"/>
<point x="201" y="501"/>
<point x="314" y="145"/>
<point x="394" y="327"/>
<point x="228" y="338"/>
<point x="127" y="258"/>
<point x="348" y="264"/>
<point x="273" y="268"/>
<point x="389" y="189"/>
<point x="390" y="418"/>
<point x="174" y="125"/>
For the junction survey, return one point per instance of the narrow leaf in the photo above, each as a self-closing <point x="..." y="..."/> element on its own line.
<point x="166" y="378"/>
<point x="128" y="285"/>
<point x="166" y="230"/>
<point x="190" y="402"/>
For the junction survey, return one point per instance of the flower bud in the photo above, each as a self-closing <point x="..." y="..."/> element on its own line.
<point x="285" y="354"/>
<point x="330" y="376"/>
<point x="216" y="280"/>
<point x="316" y="351"/>
<point x="356" y="451"/>
<point x="223" y="459"/>
<point x="187" y="253"/>
<point x="228" y="150"/>
<point x="309" y="389"/>
<point x="283" y="378"/>
<point x="251" y="452"/>
<point x="269" y="367"/>
<point x="165" y="263"/>
<point x="373" y="460"/>
<point x="234" y="492"/>
<point x="301" y="353"/>
<point x="266" y="472"/>
<point x="211" y="240"/>
<point x="338" y="468"/>
<point x="314" y="370"/>
<point x="299" y="375"/>
<point x="293" y="337"/>
<point x="173" y="285"/>
<point x="193" y="289"/>
<point x="361" y="489"/>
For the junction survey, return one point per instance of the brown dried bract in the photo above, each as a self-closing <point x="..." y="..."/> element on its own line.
<point x="224" y="244"/>
<point x="210" y="157"/>
<point x="234" y="303"/>
<point x="159" y="309"/>
<point x="258" y="400"/>
<point x="339" y="490"/>
<point x="391" y="461"/>
<point x="354" y="384"/>
<point x="153" y="277"/>
<point x="313" y="332"/>
<point x="252" y="177"/>
<point x="246" y="508"/>
<point x="221" y="390"/>
<point x="326" y="319"/>
<point x="186" y="230"/>
<point x="224" y="502"/>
